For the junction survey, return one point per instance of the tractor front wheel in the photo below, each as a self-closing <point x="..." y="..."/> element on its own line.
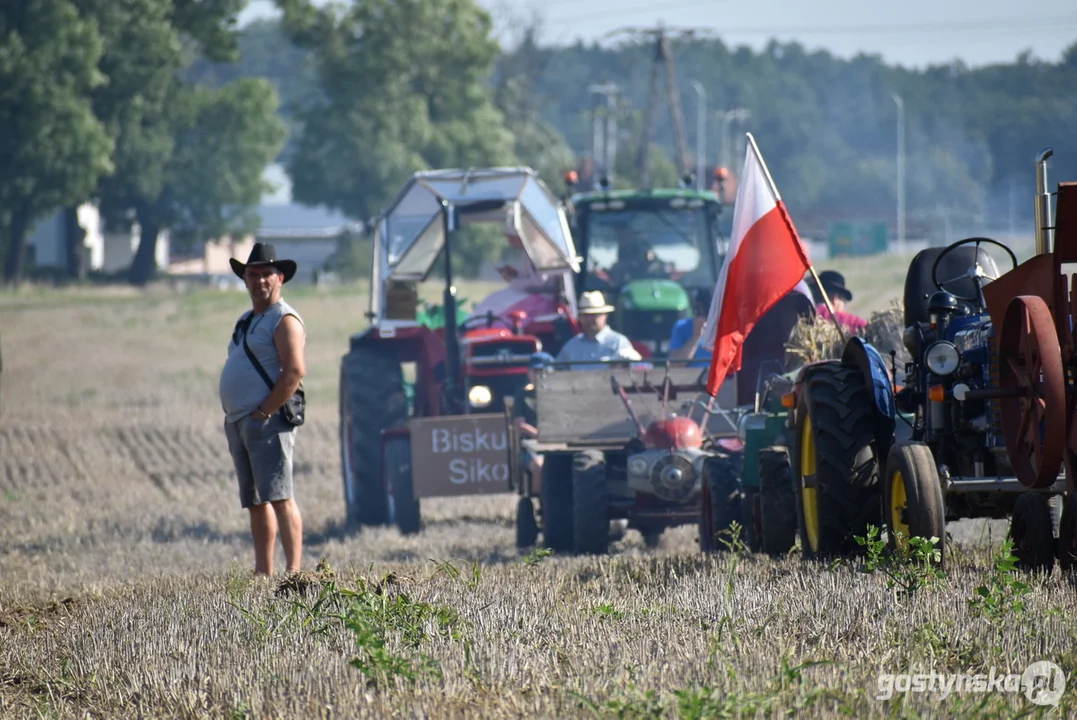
<point x="526" y="526"/>
<point x="1031" y="532"/>
<point x="403" y="506"/>
<point x="777" y="501"/>
<point x="590" y="503"/>
<point x="556" y="502"/>
<point x="912" y="497"/>
<point x="835" y="471"/>
<point x="721" y="502"/>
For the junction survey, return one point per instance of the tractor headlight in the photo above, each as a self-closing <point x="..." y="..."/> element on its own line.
<point x="942" y="358"/>
<point x="480" y="396"/>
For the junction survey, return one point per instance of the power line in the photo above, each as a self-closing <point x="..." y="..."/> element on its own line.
<point x="988" y="24"/>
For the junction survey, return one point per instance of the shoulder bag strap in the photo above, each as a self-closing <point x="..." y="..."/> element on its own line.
<point x="254" y="360"/>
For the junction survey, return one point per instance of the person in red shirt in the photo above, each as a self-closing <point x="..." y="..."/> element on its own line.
<point x="834" y="284"/>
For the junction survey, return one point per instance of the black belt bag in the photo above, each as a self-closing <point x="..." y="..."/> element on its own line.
<point x="294" y="410"/>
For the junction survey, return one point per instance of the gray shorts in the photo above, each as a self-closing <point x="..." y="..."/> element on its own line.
<point x="262" y="453"/>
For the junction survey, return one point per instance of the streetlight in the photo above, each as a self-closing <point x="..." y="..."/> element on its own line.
<point x="701" y="132"/>
<point x="900" y="170"/>
<point x="738" y="114"/>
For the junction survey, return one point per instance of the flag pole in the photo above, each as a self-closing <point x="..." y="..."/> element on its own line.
<point x="811" y="267"/>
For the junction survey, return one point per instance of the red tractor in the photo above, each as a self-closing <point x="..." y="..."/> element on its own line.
<point x="422" y="402"/>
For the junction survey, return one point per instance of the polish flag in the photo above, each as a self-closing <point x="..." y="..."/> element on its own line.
<point x="766" y="259"/>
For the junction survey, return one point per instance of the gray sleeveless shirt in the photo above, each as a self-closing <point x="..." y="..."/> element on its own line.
<point x="241" y="388"/>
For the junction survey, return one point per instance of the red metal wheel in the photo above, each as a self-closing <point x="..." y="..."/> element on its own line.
<point x="1034" y="417"/>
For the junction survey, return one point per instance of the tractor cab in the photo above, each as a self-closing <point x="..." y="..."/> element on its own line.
<point x="424" y="387"/>
<point x="647" y="251"/>
<point x="418" y="231"/>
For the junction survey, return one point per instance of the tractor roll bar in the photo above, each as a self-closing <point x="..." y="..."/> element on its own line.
<point x="1044" y="227"/>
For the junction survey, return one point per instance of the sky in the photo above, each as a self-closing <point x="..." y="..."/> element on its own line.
<point x="913" y="33"/>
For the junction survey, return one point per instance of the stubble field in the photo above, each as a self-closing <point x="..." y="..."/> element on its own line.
<point x="125" y="584"/>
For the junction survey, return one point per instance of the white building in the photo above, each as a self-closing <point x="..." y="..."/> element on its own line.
<point x="106" y="252"/>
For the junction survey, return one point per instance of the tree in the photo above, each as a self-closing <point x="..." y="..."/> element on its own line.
<point x="52" y="147"/>
<point x="222" y="139"/>
<point x="141" y="57"/>
<point x="404" y="84"/>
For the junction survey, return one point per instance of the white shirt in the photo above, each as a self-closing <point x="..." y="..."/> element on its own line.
<point x="607" y="345"/>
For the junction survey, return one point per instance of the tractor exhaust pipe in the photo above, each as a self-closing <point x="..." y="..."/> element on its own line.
<point x="1045" y="231"/>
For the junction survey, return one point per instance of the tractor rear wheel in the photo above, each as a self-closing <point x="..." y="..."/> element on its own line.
<point x="590" y="503"/>
<point x="372" y="399"/>
<point x="403" y="506"/>
<point x="721" y="501"/>
<point x="912" y="497"/>
<point x="778" y="502"/>
<point x="1031" y="532"/>
<point x="1067" y="534"/>
<point x="835" y="471"/>
<point x="556" y="502"/>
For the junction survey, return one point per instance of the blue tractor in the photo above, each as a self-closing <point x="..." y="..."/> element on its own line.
<point x="980" y="425"/>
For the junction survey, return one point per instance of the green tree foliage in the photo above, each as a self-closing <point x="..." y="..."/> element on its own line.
<point x="52" y="147"/>
<point x="223" y="139"/>
<point x="404" y="84"/>
<point x="185" y="159"/>
<point x="535" y="141"/>
<point x="264" y="51"/>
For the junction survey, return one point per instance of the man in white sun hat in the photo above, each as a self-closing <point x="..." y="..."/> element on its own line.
<point x="597" y="341"/>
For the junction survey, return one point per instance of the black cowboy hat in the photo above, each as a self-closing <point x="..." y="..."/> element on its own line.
<point x="264" y="254"/>
<point x="834" y="284"/>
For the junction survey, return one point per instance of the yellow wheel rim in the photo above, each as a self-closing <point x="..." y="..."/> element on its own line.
<point x="899" y="502"/>
<point x="809" y="498"/>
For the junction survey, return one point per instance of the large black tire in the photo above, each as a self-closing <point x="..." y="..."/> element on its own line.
<point x="912" y="497"/>
<point x="590" y="503"/>
<point x="371" y="399"/>
<point x="526" y="526"/>
<point x="722" y="506"/>
<point x="1031" y="532"/>
<point x="404" y="507"/>
<point x="1067" y="534"/>
<point x="556" y="502"/>
<point x="835" y="432"/>
<point x="778" y="502"/>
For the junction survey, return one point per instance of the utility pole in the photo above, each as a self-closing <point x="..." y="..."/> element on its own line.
<point x="604" y="134"/>
<point x="701" y="132"/>
<point x="662" y="56"/>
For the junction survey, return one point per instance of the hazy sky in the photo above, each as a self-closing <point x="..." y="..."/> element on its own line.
<point x="913" y="33"/>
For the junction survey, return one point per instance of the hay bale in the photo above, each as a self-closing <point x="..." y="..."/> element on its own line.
<point x="815" y="339"/>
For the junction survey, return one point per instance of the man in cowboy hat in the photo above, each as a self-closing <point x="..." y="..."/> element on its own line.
<point x="260" y="440"/>
<point x="597" y="341"/>
<point x="834" y="284"/>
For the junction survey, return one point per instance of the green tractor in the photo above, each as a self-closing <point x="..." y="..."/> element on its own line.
<point x="647" y="250"/>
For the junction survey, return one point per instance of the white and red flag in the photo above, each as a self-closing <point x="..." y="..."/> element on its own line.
<point x="765" y="260"/>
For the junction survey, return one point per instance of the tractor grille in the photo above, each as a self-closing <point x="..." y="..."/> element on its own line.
<point x="652" y="325"/>
<point x="501" y="354"/>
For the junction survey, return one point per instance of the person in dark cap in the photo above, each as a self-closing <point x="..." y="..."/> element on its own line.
<point x="834" y="284"/>
<point x="263" y="371"/>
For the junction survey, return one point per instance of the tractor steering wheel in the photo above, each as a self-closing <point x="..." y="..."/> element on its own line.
<point x="975" y="273"/>
<point x="489" y="319"/>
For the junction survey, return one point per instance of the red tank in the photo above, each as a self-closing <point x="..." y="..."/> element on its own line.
<point x="672" y="434"/>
